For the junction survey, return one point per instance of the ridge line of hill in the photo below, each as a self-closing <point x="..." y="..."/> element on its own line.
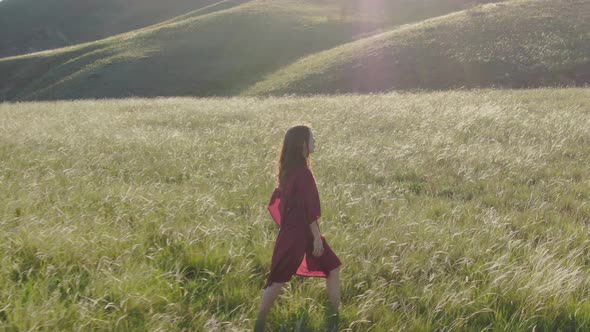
<point x="367" y="39"/>
<point x="546" y="47"/>
<point x="212" y="8"/>
<point x="93" y="49"/>
<point x="215" y="8"/>
<point x="261" y="47"/>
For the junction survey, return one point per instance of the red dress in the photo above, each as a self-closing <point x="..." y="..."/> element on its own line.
<point x="294" y="208"/>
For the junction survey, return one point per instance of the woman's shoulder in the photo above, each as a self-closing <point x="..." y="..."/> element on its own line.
<point x="297" y="174"/>
<point x="304" y="174"/>
<point x="294" y="173"/>
<point x="301" y="170"/>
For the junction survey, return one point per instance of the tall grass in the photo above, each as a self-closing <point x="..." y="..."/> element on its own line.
<point x="450" y="211"/>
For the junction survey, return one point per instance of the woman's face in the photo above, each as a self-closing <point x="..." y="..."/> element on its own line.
<point x="311" y="143"/>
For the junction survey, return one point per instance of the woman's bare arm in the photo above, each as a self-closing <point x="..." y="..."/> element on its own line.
<point x="318" y="248"/>
<point x="315" y="230"/>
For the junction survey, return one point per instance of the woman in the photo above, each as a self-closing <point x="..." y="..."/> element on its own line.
<point x="295" y="207"/>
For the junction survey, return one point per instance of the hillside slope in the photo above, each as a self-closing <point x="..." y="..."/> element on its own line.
<point x="514" y="44"/>
<point x="205" y="53"/>
<point x="31" y="25"/>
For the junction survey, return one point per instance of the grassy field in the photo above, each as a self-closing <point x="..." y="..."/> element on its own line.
<point x="450" y="211"/>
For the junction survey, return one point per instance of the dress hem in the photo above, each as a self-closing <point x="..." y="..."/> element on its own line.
<point x="269" y="283"/>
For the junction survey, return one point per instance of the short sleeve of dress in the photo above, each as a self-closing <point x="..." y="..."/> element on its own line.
<point x="309" y="196"/>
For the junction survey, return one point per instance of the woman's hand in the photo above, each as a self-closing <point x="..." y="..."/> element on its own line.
<point x="318" y="247"/>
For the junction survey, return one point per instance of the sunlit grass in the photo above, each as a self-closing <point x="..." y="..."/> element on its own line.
<point x="450" y="211"/>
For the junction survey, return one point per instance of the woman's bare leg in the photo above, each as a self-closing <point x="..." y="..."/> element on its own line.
<point x="333" y="287"/>
<point x="268" y="298"/>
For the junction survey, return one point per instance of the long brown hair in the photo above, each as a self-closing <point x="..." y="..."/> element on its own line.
<point x="291" y="152"/>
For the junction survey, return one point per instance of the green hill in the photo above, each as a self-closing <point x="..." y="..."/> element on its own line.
<point x="207" y="52"/>
<point x="31" y="25"/>
<point x="514" y="44"/>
